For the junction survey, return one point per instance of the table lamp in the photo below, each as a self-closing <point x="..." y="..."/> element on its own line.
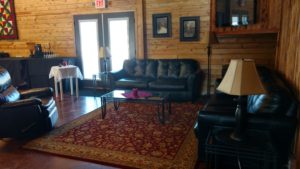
<point x="104" y="54"/>
<point x="241" y="79"/>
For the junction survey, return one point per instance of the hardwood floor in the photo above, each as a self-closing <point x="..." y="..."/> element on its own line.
<point x="12" y="156"/>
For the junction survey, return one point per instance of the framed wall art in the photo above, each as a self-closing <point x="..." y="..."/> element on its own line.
<point x="162" y="25"/>
<point x="8" y="25"/>
<point x="189" y="28"/>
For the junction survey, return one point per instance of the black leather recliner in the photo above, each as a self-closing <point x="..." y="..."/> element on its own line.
<point x="274" y="112"/>
<point x="26" y="113"/>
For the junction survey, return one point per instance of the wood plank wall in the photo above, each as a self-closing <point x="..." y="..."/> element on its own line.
<point x="288" y="53"/>
<point x="268" y="19"/>
<point x="172" y="47"/>
<point x="257" y="41"/>
<point x="261" y="48"/>
<point x="44" y="22"/>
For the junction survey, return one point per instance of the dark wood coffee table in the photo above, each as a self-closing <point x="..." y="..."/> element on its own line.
<point x="115" y="96"/>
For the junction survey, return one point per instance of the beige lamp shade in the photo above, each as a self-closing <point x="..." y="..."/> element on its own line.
<point x="241" y="79"/>
<point x="104" y="52"/>
<point x="101" y="52"/>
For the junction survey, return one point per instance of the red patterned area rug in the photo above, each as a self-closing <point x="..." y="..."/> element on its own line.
<point x="129" y="137"/>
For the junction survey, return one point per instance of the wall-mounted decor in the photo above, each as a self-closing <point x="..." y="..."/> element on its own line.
<point x="235" y="12"/>
<point x="8" y="25"/>
<point x="189" y="28"/>
<point x="162" y="25"/>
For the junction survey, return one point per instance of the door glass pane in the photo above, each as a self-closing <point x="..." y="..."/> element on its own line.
<point x="88" y="31"/>
<point x="119" y="41"/>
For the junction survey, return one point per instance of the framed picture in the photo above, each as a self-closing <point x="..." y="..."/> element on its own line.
<point x="8" y="25"/>
<point x="162" y="25"/>
<point x="189" y="28"/>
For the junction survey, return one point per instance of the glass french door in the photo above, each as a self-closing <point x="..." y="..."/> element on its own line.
<point x="113" y="31"/>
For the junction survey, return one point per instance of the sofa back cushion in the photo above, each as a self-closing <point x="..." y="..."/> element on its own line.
<point x="187" y="67"/>
<point x="176" y="68"/>
<point x="129" y="67"/>
<point x="151" y="69"/>
<point x="278" y="99"/>
<point x="139" y="69"/>
<point x="160" y="68"/>
<point x="5" y="80"/>
<point x="11" y="94"/>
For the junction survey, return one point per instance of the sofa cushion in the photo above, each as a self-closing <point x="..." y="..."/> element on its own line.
<point x="173" y="70"/>
<point x="3" y="99"/>
<point x="278" y="98"/>
<point x="129" y="66"/>
<point x="5" y="79"/>
<point x="186" y="69"/>
<point x="139" y="70"/>
<point x="162" y="70"/>
<point x="168" y="84"/>
<point x="130" y="83"/>
<point x="151" y="69"/>
<point x="11" y="94"/>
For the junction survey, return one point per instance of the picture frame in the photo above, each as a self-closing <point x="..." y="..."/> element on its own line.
<point x="189" y="28"/>
<point x="8" y="24"/>
<point x="162" y="25"/>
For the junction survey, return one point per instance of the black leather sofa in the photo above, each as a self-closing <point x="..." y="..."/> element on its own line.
<point x="274" y="112"/>
<point x="179" y="79"/>
<point x="26" y="113"/>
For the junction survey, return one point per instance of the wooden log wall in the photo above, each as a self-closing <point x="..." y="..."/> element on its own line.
<point x="172" y="47"/>
<point x="261" y="48"/>
<point x="257" y="41"/>
<point x="268" y="19"/>
<point x="45" y="22"/>
<point x="288" y="54"/>
<point x="51" y="22"/>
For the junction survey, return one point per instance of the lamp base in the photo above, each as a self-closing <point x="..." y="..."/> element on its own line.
<point x="240" y="118"/>
<point x="252" y="138"/>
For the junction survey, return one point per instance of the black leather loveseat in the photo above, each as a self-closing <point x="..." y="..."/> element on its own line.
<point x="26" y="113"/>
<point x="274" y="112"/>
<point x="180" y="79"/>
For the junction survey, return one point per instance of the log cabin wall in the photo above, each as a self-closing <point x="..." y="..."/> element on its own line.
<point x="261" y="48"/>
<point x="52" y="22"/>
<point x="172" y="47"/>
<point x="288" y="54"/>
<point x="257" y="41"/>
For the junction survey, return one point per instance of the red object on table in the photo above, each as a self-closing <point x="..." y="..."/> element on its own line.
<point x="136" y="94"/>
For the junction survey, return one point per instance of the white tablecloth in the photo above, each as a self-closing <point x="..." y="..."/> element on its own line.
<point x="63" y="72"/>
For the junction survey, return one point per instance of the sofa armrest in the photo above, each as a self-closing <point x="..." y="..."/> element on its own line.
<point x="37" y="92"/>
<point x="21" y="103"/>
<point x="116" y="75"/>
<point x="194" y="83"/>
<point x="113" y="76"/>
<point x="21" y="118"/>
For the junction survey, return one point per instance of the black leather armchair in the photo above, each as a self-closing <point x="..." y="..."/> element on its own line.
<point x="26" y="113"/>
<point x="274" y="112"/>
